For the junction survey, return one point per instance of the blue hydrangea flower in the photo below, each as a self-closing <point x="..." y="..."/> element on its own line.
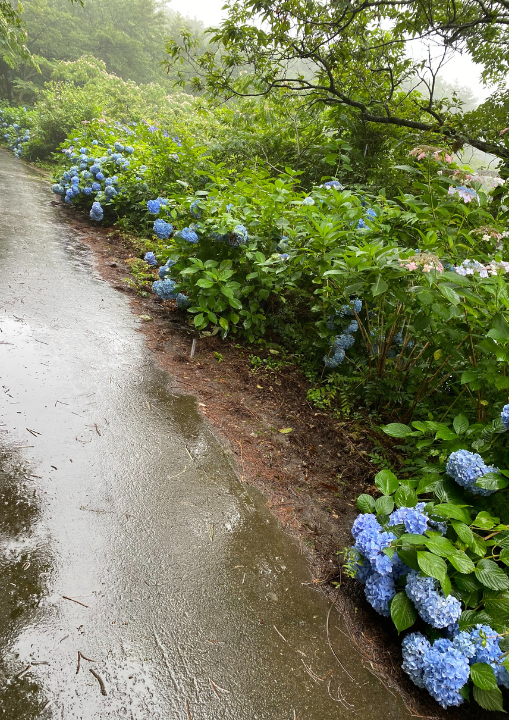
<point x="501" y="675"/>
<point x="163" y="229"/>
<point x="353" y="327"/>
<point x="414" y="647"/>
<point x="162" y="200"/>
<point x="398" y="567"/>
<point x="119" y="147"/>
<point x="445" y="673"/>
<point x="284" y="256"/>
<point x="333" y="185"/>
<point x="108" y="182"/>
<point x="370" y="542"/>
<point x="58" y="189"/>
<point x="99" y="176"/>
<point x="87" y="190"/>
<point x="110" y="192"/>
<point x="414" y="520"/>
<point x="95" y="169"/>
<point x="129" y="150"/>
<point x="75" y="180"/>
<point x="363" y="522"/>
<point x="487" y="644"/>
<point x="182" y="301"/>
<point x="96" y="186"/>
<point x="239" y="236"/>
<point x="308" y="201"/>
<point x="229" y="207"/>
<point x="363" y="569"/>
<point x="361" y="224"/>
<point x="95" y="142"/>
<point x="344" y="341"/>
<point x="333" y="361"/>
<point x="505" y="416"/>
<point x="165" y="289"/>
<point x="189" y="235"/>
<point x="96" y="213"/>
<point x="195" y="209"/>
<point x="466" y="467"/>
<point x="165" y="269"/>
<point x="379" y="591"/>
<point x="150" y="258"/>
<point x="371" y="213"/>
<point x="431" y="604"/>
<point x="154" y="207"/>
<point x="354" y="306"/>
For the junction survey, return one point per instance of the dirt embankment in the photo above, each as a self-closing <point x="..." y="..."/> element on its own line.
<point x="311" y="475"/>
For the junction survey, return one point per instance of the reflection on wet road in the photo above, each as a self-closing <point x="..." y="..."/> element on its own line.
<point x="124" y="532"/>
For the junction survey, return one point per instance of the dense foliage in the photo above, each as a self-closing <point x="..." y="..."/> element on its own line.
<point x="382" y="273"/>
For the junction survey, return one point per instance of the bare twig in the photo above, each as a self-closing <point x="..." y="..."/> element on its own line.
<point x="99" y="680"/>
<point x="188" y="711"/>
<point x="73" y="600"/>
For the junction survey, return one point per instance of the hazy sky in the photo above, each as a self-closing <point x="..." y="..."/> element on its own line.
<point x="460" y="69"/>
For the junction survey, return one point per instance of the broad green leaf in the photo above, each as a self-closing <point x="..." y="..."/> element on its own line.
<point x="366" y="503"/>
<point x="460" y="424"/>
<point x="492" y="481"/>
<point x="384" y="505"/>
<point x="489" y="699"/>
<point x="467" y="583"/>
<point x="491" y="575"/>
<point x="431" y="565"/>
<point x="470" y="618"/>
<point x="455" y="512"/>
<point x="379" y="286"/>
<point x="461" y="562"/>
<point x="501" y="326"/>
<point x="386" y="482"/>
<point x="441" y="546"/>
<point x="483" y="676"/>
<point x="450" y="294"/>
<point x="412" y="539"/>
<point x="403" y="612"/>
<point x="498" y="608"/>
<point x="397" y="430"/>
<point x="445" y="583"/>
<point x="427" y="484"/>
<point x="224" y="323"/>
<point x="484" y="521"/>
<point x="463" y="532"/>
<point x="446" y="434"/>
<point x="408" y="555"/>
<point x="204" y="283"/>
<point x="405" y="496"/>
<point x="504" y="556"/>
<point x="478" y="546"/>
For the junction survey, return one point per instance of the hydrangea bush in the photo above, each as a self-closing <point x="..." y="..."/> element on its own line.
<point x="429" y="555"/>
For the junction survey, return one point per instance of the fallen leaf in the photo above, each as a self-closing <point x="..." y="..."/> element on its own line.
<point x="285" y="431"/>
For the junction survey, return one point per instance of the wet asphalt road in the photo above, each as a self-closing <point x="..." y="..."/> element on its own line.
<point x="192" y="602"/>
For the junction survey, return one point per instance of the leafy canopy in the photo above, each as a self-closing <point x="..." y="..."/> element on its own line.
<point x="359" y="54"/>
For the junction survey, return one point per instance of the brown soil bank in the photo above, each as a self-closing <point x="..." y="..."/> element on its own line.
<point x="311" y="475"/>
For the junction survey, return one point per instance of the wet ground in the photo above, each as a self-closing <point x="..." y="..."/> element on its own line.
<point x="125" y="534"/>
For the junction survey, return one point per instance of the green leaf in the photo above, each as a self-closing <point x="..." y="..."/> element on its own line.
<point x="379" y="286"/>
<point x="224" y="323"/>
<point x="467" y="583"/>
<point x="491" y="575"/>
<point x="462" y="563"/>
<point x="446" y="434"/>
<point x="471" y="618"/>
<point x="492" y="481"/>
<point x="397" y="430"/>
<point x="498" y="608"/>
<point x="366" y="503"/>
<point x="504" y="556"/>
<point x="412" y="539"/>
<point x="386" y="482"/>
<point x="405" y="496"/>
<point x="432" y="565"/>
<point x="501" y="326"/>
<point x="440" y="546"/>
<point x="384" y="505"/>
<point x="204" y="283"/>
<point x="450" y="294"/>
<point x="484" y="521"/>
<point x="460" y="424"/>
<point x="478" y="546"/>
<point x="408" y="555"/>
<point x="464" y="533"/>
<point x="403" y="612"/>
<point x="427" y="484"/>
<point x="469" y="376"/>
<point x="483" y="676"/>
<point x="448" y="510"/>
<point x="489" y="699"/>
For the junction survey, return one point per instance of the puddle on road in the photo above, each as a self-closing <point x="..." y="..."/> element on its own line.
<point x="179" y="583"/>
